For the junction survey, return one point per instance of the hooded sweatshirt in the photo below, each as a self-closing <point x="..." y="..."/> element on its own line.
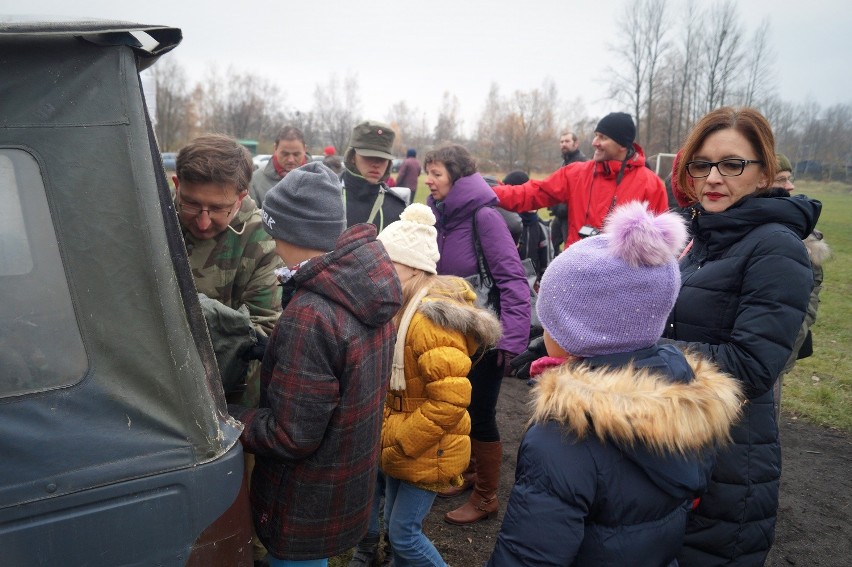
<point x="323" y="383"/>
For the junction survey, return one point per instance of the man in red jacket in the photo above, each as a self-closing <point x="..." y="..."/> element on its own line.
<point x="592" y="189"/>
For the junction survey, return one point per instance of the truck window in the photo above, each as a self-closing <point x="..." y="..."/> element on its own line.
<point x="40" y="343"/>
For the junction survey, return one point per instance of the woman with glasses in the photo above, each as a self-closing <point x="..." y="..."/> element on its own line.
<point x="745" y="285"/>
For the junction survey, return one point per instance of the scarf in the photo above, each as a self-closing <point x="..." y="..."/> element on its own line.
<point x="397" y="381"/>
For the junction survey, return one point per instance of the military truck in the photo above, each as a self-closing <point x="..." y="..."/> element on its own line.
<point x="115" y="444"/>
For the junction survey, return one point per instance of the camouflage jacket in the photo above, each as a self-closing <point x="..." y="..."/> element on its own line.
<point x="239" y="269"/>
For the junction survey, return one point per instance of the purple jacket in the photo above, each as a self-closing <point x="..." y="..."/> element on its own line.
<point x="458" y="257"/>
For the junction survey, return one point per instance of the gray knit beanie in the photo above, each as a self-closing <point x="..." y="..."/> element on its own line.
<point x="306" y="208"/>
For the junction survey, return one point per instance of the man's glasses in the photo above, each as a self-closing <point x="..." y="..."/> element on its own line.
<point x="730" y="167"/>
<point x="784" y="179"/>
<point x="190" y="210"/>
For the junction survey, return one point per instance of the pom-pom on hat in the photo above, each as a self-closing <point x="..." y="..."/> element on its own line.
<point x="619" y="127"/>
<point x="413" y="240"/>
<point x="612" y="293"/>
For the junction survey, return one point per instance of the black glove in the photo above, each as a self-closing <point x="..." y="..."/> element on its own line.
<point x="504" y="361"/>
<point x="521" y="363"/>
<point x="255" y="351"/>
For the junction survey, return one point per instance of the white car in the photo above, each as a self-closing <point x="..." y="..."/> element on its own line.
<point x="260" y="160"/>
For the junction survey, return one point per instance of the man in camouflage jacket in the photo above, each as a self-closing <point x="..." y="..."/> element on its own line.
<point x="233" y="260"/>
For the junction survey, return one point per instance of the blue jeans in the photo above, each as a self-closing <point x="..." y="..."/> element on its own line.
<point x="405" y="507"/>
<point x="273" y="562"/>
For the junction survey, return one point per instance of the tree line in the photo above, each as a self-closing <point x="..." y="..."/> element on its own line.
<point x="669" y="68"/>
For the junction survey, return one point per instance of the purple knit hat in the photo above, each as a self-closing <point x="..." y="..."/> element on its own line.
<point x="612" y="293"/>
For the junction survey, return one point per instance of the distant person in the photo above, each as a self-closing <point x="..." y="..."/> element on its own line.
<point x="325" y="375"/>
<point x="367" y="164"/>
<point x="746" y="280"/>
<point x="569" y="145"/>
<point x="535" y="240"/>
<point x="232" y="259"/>
<point x="334" y="163"/>
<point x="409" y="172"/>
<point x="593" y="189"/>
<point x="288" y="153"/>
<point x="425" y="443"/>
<point x="623" y="430"/>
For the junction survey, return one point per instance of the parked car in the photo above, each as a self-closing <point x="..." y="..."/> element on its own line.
<point x="260" y="160"/>
<point x="169" y="160"/>
<point x="116" y="444"/>
<point x="395" y="165"/>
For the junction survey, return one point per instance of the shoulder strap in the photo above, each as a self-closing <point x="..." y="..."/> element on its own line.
<point x="481" y="263"/>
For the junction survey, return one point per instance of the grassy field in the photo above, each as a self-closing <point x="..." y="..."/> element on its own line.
<point x="819" y="388"/>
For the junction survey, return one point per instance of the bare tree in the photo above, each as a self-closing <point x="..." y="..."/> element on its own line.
<point x="172" y="101"/>
<point x="759" y="61"/>
<point x="641" y="52"/>
<point x="448" y="127"/>
<point x="486" y="128"/>
<point x="337" y="108"/>
<point x="722" y="51"/>
<point x="240" y="104"/>
<point x="655" y="24"/>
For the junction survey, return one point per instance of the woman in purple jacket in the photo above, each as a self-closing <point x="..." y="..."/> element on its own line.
<point x="457" y="193"/>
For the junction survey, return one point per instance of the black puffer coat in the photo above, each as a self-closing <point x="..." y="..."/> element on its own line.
<point x="746" y="282"/>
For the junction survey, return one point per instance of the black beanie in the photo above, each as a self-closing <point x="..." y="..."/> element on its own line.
<point x="619" y="127"/>
<point x="516" y="177"/>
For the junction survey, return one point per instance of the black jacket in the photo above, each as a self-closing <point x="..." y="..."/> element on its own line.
<point x="745" y="287"/>
<point x="359" y="197"/>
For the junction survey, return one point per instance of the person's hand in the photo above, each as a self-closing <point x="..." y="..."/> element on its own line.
<point x="521" y="363"/>
<point x="504" y="361"/>
<point x="255" y="351"/>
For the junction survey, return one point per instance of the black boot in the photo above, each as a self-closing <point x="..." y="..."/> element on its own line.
<point x="365" y="551"/>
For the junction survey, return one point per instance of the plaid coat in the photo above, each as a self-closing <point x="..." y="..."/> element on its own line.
<point x="323" y="383"/>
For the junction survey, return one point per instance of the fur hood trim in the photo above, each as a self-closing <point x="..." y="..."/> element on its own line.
<point x="818" y="250"/>
<point x="469" y="320"/>
<point x="629" y="406"/>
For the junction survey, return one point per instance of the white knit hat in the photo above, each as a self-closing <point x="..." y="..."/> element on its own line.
<point x="412" y="240"/>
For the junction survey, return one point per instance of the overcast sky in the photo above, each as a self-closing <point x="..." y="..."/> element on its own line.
<point x="416" y="50"/>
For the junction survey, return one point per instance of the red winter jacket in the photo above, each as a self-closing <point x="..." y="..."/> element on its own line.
<point x="588" y="188"/>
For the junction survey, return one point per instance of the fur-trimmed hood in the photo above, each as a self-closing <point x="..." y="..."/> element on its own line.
<point x="479" y="324"/>
<point x="818" y="250"/>
<point x="630" y="407"/>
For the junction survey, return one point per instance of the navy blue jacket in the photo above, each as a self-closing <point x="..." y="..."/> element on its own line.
<point x="618" y="449"/>
<point x="745" y="287"/>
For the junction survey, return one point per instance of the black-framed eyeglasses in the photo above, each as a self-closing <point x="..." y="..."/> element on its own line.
<point x="730" y="167"/>
<point x="191" y="210"/>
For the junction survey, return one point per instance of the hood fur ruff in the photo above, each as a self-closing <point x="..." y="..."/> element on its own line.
<point x="818" y="250"/>
<point x="629" y="406"/>
<point x="479" y="324"/>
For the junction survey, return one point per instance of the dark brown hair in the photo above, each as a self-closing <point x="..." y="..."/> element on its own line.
<point x="215" y="158"/>
<point x="748" y="122"/>
<point x="289" y="133"/>
<point x="456" y="159"/>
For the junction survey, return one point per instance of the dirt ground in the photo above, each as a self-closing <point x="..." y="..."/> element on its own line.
<point x="814" y="520"/>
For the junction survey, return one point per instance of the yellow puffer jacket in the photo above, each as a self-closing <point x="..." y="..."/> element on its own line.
<point x="425" y="432"/>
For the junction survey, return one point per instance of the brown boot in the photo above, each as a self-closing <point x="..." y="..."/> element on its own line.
<point x="469" y="478"/>
<point x="482" y="503"/>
